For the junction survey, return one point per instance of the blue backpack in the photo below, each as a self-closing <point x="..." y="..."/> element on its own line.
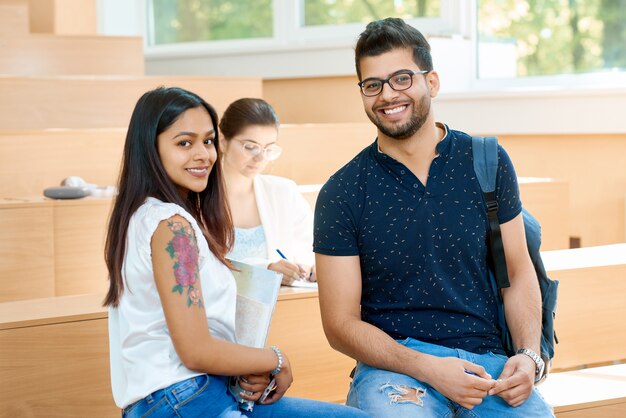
<point x="485" y="153"/>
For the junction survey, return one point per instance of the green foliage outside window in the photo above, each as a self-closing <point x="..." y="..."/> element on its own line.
<point x="337" y="12"/>
<point x="177" y="21"/>
<point x="211" y="20"/>
<point x="557" y="36"/>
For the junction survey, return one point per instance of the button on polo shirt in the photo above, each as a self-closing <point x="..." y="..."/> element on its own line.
<point x="422" y="249"/>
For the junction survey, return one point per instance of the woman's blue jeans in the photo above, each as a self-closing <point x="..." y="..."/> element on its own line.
<point x="208" y="396"/>
<point x="384" y="394"/>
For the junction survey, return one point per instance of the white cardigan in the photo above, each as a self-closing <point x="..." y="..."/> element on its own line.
<point x="287" y="221"/>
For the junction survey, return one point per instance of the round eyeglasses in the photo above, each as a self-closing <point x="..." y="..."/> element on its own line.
<point x="270" y="152"/>
<point x="402" y="80"/>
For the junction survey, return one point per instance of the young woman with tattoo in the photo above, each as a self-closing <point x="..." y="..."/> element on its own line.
<point x="172" y="296"/>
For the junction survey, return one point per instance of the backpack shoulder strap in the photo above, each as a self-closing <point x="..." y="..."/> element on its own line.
<point x="485" y="159"/>
<point x="485" y="151"/>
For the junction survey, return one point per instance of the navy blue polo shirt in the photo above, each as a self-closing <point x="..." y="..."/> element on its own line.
<point x="423" y="250"/>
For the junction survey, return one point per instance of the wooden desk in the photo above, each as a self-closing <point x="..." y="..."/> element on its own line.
<point x="55" y="353"/>
<point x="319" y="371"/>
<point x="54" y="358"/>
<point x="26" y="249"/>
<point x="52" y="247"/>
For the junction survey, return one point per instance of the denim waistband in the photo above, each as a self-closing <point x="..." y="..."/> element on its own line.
<point x="174" y="390"/>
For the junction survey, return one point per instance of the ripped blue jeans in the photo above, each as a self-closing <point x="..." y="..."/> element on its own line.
<point x="383" y="394"/>
<point x="208" y="396"/>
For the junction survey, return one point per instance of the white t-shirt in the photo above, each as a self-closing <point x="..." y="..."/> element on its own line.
<point x="142" y="354"/>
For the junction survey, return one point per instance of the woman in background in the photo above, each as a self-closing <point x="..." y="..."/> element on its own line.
<point x="269" y="213"/>
<point x="172" y="295"/>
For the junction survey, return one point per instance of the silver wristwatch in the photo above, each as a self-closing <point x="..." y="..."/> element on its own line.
<point x="539" y="363"/>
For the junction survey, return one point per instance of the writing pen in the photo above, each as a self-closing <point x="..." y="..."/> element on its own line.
<point x="268" y="390"/>
<point x="280" y="253"/>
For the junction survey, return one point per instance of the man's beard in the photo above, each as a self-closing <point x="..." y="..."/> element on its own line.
<point x="407" y="130"/>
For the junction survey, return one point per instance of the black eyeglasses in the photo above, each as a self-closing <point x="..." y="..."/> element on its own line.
<point x="402" y="80"/>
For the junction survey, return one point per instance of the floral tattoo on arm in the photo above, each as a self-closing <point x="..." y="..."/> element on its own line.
<point x="183" y="249"/>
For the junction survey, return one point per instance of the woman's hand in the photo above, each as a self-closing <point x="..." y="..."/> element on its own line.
<point x="283" y="381"/>
<point x="290" y="271"/>
<point x="255" y="383"/>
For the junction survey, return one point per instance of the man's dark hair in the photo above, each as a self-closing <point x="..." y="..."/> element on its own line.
<point x="383" y="35"/>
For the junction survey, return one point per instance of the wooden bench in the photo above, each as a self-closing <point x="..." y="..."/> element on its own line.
<point x="104" y="101"/>
<point x="598" y="392"/>
<point x="50" y="55"/>
<point x="59" y="346"/>
<point x="64" y="339"/>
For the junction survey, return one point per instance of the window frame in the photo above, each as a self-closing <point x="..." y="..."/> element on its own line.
<point x="290" y="34"/>
<point x="596" y="81"/>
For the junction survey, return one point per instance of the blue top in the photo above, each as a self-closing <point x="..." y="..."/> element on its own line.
<point x="423" y="250"/>
<point x="249" y="243"/>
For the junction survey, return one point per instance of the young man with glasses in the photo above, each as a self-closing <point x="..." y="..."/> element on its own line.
<point x="400" y="237"/>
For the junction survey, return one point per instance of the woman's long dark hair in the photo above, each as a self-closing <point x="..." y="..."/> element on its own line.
<point x="142" y="176"/>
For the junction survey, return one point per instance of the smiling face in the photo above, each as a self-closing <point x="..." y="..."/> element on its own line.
<point x="238" y="159"/>
<point x="187" y="150"/>
<point x="398" y="114"/>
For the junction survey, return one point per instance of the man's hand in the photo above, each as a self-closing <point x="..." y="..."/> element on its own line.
<point x="515" y="383"/>
<point x="460" y="381"/>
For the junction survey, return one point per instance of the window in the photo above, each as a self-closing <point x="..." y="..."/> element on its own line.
<point x="518" y="39"/>
<point x="183" y="21"/>
<point x="338" y="12"/>
<point x="288" y="21"/>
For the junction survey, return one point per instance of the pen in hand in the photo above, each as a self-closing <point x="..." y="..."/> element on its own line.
<point x="302" y="273"/>
<point x="280" y="253"/>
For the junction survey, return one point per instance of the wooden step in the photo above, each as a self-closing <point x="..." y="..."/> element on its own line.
<point x="50" y="55"/>
<point x="102" y="102"/>
<point x="33" y="160"/>
<point x="13" y="19"/>
<point x="590" y="310"/>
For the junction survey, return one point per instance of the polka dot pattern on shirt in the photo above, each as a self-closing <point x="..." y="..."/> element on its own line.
<point x="422" y="249"/>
